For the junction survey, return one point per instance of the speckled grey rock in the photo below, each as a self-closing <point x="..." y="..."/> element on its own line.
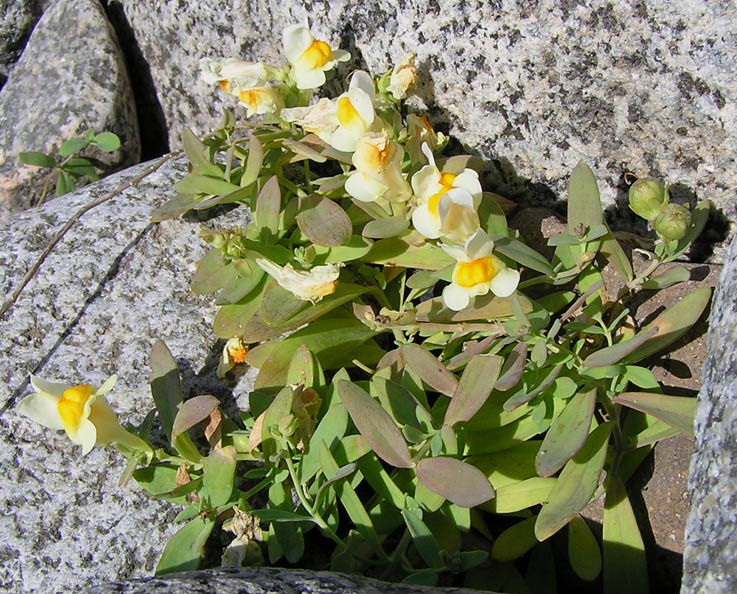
<point x="71" y="77"/>
<point x="648" y="87"/>
<point x="17" y="18"/>
<point x="265" y="581"/>
<point x="114" y="285"/>
<point x="710" y="555"/>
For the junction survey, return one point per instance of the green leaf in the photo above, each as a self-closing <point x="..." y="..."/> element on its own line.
<point x="487" y="307"/>
<point x="254" y="162"/>
<point x="522" y="254"/>
<point x="641" y="377"/>
<point x="268" y="205"/>
<point x="676" y="411"/>
<point x="612" y="354"/>
<point x="423" y="538"/>
<point x="194" y="183"/>
<point x="476" y="384"/>
<point x="174" y="207"/>
<point x="350" y="501"/>
<point x="395" y="252"/>
<point x="184" y="551"/>
<point x="212" y="273"/>
<point x="567" y="434"/>
<point x="584" y="203"/>
<point x="64" y="184"/>
<point x="240" y="286"/>
<point x="672" y="276"/>
<point x="515" y="541"/>
<point x="219" y="472"/>
<point x="583" y="550"/>
<point x="525" y="394"/>
<point x="36" y="159"/>
<point x="278" y="305"/>
<point x="106" y="142"/>
<point x="375" y="425"/>
<point x="575" y="485"/>
<point x="520" y="495"/>
<point x="193" y="411"/>
<point x="157" y="479"/>
<point x="280" y="515"/>
<point x="166" y="386"/>
<point x="671" y="324"/>
<point x="427" y="366"/>
<point x="384" y="228"/>
<point x="397" y="401"/>
<point x="325" y="223"/>
<point x="279" y="408"/>
<point x="355" y="248"/>
<point x="239" y="195"/>
<point x="232" y="320"/>
<point x="329" y="431"/>
<point x="302" y="151"/>
<point x="195" y="151"/>
<point x="508" y="467"/>
<point x="456" y="481"/>
<point x="71" y="146"/>
<point x="78" y="167"/>
<point x="376" y="476"/>
<point x="625" y="565"/>
<point x="613" y="252"/>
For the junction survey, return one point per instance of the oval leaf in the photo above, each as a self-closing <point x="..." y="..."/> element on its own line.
<point x="676" y="411"/>
<point x="193" y="411"/>
<point x="575" y="485"/>
<point x="515" y="541"/>
<point x="584" y="203"/>
<point x="184" y="551"/>
<point x="514" y="365"/>
<point x="375" y="425"/>
<point x="254" y="162"/>
<point x="583" y="550"/>
<point x="458" y="482"/>
<point x="106" y="141"/>
<point x="36" y="159"/>
<point x="432" y="371"/>
<point x="389" y="227"/>
<point x="166" y="386"/>
<point x="567" y="434"/>
<point x="325" y="223"/>
<point x="522" y="254"/>
<point x="219" y="471"/>
<point x="476" y="384"/>
<point x="268" y="205"/>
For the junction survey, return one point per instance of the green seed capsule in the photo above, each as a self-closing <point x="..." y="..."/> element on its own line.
<point x="646" y="197"/>
<point x="673" y="221"/>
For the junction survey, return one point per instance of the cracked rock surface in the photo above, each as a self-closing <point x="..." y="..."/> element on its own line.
<point x="710" y="555"/>
<point x="110" y="288"/>
<point x="70" y="78"/>
<point x="647" y="87"/>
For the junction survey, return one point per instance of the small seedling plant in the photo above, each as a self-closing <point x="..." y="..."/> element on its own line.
<point x="435" y="399"/>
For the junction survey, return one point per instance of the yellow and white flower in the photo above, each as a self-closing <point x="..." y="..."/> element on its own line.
<point x="403" y="77"/>
<point x="378" y="162"/>
<point x="477" y="271"/>
<point x="419" y="132"/>
<point x="231" y="73"/>
<point x="311" y="285"/>
<point x="261" y="99"/>
<point x="234" y="352"/>
<point x="459" y="192"/>
<point x="310" y="57"/>
<point x="81" y="411"/>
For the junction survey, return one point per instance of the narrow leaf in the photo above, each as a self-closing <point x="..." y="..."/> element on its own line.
<point x="476" y="384"/>
<point x="575" y="485"/>
<point x="395" y="252"/>
<point x="278" y="305"/>
<point x="375" y="425"/>
<point x="254" y="162"/>
<point x="567" y="434"/>
<point x="423" y="538"/>
<point x="523" y="254"/>
<point x="166" y="386"/>
<point x="520" y="495"/>
<point x="583" y="550"/>
<point x="456" y="481"/>
<point x="174" y="207"/>
<point x="612" y="354"/>
<point x="195" y="151"/>
<point x="427" y="366"/>
<point x="625" y="565"/>
<point x="184" y="551"/>
<point x="676" y="411"/>
<point x="515" y="541"/>
<point x="36" y="159"/>
<point x="613" y="252"/>
<point x="584" y="203"/>
<point x="672" y="276"/>
<point x="64" y="184"/>
<point x="193" y="411"/>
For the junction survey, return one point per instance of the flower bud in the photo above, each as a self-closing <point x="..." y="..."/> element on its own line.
<point x="647" y="197"/>
<point x="673" y="221"/>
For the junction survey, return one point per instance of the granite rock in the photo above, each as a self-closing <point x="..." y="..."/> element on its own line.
<point x="111" y="287"/>
<point x="17" y="19"/>
<point x="710" y="555"/>
<point x="70" y="78"/>
<point x="265" y="580"/>
<point x="649" y="88"/>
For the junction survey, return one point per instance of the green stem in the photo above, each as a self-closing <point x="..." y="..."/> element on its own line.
<point x="612" y="411"/>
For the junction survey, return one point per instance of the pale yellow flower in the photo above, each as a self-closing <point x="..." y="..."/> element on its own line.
<point x="311" y="285"/>
<point x="231" y="73"/>
<point x="310" y="57"/>
<point x="403" y="77"/>
<point x="81" y="411"/>
<point x="448" y="200"/>
<point x="234" y="352"/>
<point x="378" y="162"/>
<point x="477" y="271"/>
<point x="260" y="100"/>
<point x="419" y="132"/>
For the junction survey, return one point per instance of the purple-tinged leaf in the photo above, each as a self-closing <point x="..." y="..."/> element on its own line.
<point x="458" y="482"/>
<point x="325" y="223"/>
<point x="375" y="424"/>
<point x="610" y="355"/>
<point x="476" y="384"/>
<point x="268" y="205"/>
<point x="523" y="397"/>
<point x="676" y="411"/>
<point x="432" y="371"/>
<point x="567" y="434"/>
<point x="513" y="368"/>
<point x="193" y="411"/>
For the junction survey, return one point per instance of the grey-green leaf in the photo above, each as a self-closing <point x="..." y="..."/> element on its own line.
<point x="427" y="366"/>
<point x="36" y="159"/>
<point x="476" y="384"/>
<point x="166" y="386"/>
<point x="184" y="551"/>
<point x="583" y="550"/>
<point x="375" y="425"/>
<point x="456" y="481"/>
<point x="584" y="203"/>
<point x="676" y="411"/>
<point x="325" y="223"/>
<point x="383" y="228"/>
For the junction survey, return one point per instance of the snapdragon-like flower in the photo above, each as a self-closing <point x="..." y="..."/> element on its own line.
<point x="234" y="352"/>
<point x="81" y="411"/>
<point x="477" y="271"/>
<point x="419" y="132"/>
<point x="310" y="57"/>
<point x="378" y="162"/>
<point x="311" y="285"/>
<point x="343" y="121"/>
<point x="448" y="200"/>
<point x="403" y="77"/>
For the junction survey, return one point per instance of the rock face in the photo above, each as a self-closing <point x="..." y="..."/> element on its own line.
<point x="114" y="285"/>
<point x="649" y="88"/>
<point x="710" y="556"/>
<point x="17" y="18"/>
<point x="70" y="78"/>
<point x="264" y="580"/>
